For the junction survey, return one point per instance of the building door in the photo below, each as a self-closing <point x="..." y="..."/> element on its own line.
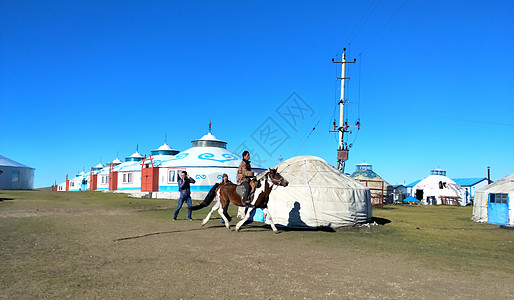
<point x="419" y="195"/>
<point x="498" y="209"/>
<point x="113" y="181"/>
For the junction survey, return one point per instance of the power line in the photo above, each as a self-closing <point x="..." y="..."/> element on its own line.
<point x="384" y="26"/>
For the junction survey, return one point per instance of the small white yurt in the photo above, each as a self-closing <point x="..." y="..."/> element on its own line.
<point x="205" y="162"/>
<point x="318" y="195"/>
<point x="15" y="176"/>
<point x="494" y="203"/>
<point x="437" y="189"/>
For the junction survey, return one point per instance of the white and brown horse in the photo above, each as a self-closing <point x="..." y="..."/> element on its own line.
<point x="226" y="194"/>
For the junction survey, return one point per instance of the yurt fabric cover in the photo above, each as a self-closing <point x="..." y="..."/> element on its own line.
<point x="504" y="185"/>
<point x="318" y="195"/>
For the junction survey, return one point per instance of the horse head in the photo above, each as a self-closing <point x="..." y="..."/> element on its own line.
<point x="276" y="178"/>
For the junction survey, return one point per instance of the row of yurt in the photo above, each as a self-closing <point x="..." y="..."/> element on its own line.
<point x="437" y="189"/>
<point x="318" y="195"/>
<point x="15" y="176"/>
<point x="206" y="161"/>
<point x="493" y="203"/>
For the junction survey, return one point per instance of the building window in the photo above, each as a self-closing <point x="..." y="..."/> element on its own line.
<point x="72" y="183"/>
<point x="171" y="175"/>
<point x="498" y="198"/>
<point x="127" y="177"/>
<point x="174" y="175"/>
<point x="15" y="176"/>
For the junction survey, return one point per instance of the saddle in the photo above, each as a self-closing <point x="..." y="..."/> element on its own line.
<point x="241" y="190"/>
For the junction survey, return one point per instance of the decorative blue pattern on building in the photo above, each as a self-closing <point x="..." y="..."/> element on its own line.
<point x="209" y="156"/>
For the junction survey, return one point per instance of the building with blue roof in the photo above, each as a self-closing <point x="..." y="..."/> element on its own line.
<point x="468" y="185"/>
<point x="471" y="185"/>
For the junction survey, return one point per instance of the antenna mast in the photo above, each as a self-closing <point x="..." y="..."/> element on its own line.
<point x="342" y="150"/>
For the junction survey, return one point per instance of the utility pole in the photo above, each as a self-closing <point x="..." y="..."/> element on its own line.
<point x="342" y="150"/>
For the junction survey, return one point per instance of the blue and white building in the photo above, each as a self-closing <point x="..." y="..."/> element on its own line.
<point x="205" y="161"/>
<point x="470" y="185"/>
<point x="129" y="174"/>
<point x="79" y="182"/>
<point x="103" y="175"/>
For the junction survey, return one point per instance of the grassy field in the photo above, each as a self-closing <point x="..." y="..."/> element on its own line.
<point x="102" y="245"/>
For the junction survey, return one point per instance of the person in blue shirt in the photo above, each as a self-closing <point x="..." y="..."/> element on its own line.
<point x="185" y="194"/>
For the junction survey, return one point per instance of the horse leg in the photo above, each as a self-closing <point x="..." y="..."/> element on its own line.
<point x="241" y="212"/>
<point x="214" y="207"/>
<point x="247" y="216"/>
<point x="268" y="217"/>
<point x="222" y="214"/>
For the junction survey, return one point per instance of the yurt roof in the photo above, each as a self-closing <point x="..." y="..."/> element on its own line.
<point x="433" y="179"/>
<point x="209" y="140"/>
<point x="7" y="162"/>
<point x="99" y="166"/>
<point x="200" y="155"/>
<point x="364" y="173"/>
<point x="314" y="171"/>
<point x="504" y="185"/>
<point x="117" y="161"/>
<point x="164" y="147"/>
<point x="128" y="166"/>
<point x="163" y="152"/>
<point x="136" y="155"/>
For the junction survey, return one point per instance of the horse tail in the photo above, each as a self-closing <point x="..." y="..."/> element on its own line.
<point x="208" y="199"/>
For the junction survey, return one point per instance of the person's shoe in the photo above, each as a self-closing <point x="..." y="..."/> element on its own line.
<point x="190" y="219"/>
<point x="174" y="219"/>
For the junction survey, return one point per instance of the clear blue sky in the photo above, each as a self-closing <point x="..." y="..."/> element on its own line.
<point x="433" y="85"/>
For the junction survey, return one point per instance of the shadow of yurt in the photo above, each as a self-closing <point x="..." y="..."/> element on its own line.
<point x="318" y="196"/>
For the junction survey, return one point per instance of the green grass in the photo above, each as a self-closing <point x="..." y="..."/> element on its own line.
<point x="441" y="237"/>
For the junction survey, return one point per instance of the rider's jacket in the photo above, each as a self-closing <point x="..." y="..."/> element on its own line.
<point x="244" y="171"/>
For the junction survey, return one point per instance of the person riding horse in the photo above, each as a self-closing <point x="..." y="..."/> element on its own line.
<point x="244" y="174"/>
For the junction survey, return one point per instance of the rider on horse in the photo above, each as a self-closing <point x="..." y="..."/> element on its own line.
<point x="244" y="174"/>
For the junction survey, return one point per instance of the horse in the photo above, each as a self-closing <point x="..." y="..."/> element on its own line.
<point x="226" y="194"/>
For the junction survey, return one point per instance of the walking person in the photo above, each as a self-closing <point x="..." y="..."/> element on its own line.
<point x="185" y="195"/>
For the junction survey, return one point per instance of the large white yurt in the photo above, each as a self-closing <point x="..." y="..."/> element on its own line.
<point x="437" y="189"/>
<point x="318" y="195"/>
<point x="15" y="176"/>
<point x="494" y="203"/>
<point x="205" y="162"/>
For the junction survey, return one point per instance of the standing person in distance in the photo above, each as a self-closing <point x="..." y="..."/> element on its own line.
<point x="185" y="194"/>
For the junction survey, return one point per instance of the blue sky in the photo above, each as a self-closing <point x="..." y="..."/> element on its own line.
<point x="433" y="86"/>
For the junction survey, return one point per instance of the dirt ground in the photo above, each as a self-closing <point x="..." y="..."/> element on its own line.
<point x="91" y="251"/>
